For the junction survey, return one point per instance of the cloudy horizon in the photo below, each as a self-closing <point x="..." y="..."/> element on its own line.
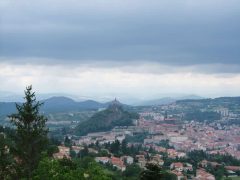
<point x="129" y="49"/>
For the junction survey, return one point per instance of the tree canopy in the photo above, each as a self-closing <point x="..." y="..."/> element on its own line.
<point x="31" y="133"/>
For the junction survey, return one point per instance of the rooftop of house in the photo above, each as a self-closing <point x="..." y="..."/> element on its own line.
<point x="177" y="164"/>
<point x="201" y="173"/>
<point x="233" y="168"/>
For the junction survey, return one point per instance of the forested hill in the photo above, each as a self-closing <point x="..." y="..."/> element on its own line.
<point x="209" y="110"/>
<point x="227" y="102"/>
<point x="105" y="120"/>
<point x="219" y="100"/>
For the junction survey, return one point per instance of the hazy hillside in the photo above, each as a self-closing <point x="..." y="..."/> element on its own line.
<point x="61" y="111"/>
<point x="208" y="110"/>
<point x="168" y="100"/>
<point x="221" y="101"/>
<point x="56" y="105"/>
<point x="64" y="104"/>
<point x="7" y="108"/>
<point x="161" y="101"/>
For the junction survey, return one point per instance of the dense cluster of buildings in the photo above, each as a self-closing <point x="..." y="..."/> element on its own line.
<point x="181" y="137"/>
<point x="185" y="137"/>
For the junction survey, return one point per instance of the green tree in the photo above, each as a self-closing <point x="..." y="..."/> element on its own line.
<point x="238" y="172"/>
<point x="124" y="147"/>
<point x="95" y="172"/>
<point x="49" y="169"/>
<point x="7" y="162"/>
<point x="103" y="152"/>
<point x="83" y="152"/>
<point x="155" y="172"/>
<point x="115" y="147"/>
<point x="67" y="141"/>
<point x="31" y="133"/>
<point x="67" y="169"/>
<point x="132" y="171"/>
<point x="73" y="154"/>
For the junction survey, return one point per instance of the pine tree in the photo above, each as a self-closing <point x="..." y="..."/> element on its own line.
<point x="31" y="133"/>
<point x="124" y="147"/>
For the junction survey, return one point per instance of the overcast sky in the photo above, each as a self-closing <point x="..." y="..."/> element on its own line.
<point x="124" y="48"/>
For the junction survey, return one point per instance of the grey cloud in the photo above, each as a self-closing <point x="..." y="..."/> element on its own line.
<point x="168" y="33"/>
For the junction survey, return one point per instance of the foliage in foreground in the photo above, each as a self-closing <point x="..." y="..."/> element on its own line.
<point x="7" y="169"/>
<point x="49" y="169"/>
<point x="155" y="172"/>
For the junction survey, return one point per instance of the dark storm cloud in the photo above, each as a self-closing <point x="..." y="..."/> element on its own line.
<point x="170" y="33"/>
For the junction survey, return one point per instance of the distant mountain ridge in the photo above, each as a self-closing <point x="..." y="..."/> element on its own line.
<point x="168" y="100"/>
<point x="220" y="101"/>
<point x="64" y="104"/>
<point x="57" y="105"/>
<point x="6" y="96"/>
<point x="7" y="108"/>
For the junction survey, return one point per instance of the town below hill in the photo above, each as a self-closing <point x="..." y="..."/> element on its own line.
<point x="189" y="139"/>
<point x="184" y="139"/>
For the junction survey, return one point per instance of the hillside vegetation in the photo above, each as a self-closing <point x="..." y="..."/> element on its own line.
<point x="105" y="120"/>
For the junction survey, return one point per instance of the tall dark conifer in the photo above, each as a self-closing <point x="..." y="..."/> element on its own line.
<point x="31" y="133"/>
